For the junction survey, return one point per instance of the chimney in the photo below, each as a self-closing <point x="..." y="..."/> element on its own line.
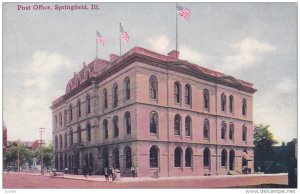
<point x="84" y="64"/>
<point x="174" y="54"/>
<point x="113" y="57"/>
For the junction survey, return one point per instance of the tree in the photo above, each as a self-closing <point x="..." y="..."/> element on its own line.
<point x="11" y="155"/>
<point x="48" y="154"/>
<point x="263" y="142"/>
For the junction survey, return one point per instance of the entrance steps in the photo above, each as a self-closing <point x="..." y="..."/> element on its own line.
<point x="233" y="172"/>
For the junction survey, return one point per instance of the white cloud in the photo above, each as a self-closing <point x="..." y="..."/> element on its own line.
<point x="193" y="55"/>
<point x="247" y="53"/>
<point x="277" y="106"/>
<point x="160" y="43"/>
<point x="26" y="107"/>
<point x="286" y="85"/>
<point x="43" y="66"/>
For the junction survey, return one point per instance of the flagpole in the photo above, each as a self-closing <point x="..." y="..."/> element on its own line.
<point x="96" y="46"/>
<point x="120" y="41"/>
<point x="176" y="32"/>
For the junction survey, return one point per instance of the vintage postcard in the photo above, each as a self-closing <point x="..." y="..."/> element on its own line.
<point x="149" y="95"/>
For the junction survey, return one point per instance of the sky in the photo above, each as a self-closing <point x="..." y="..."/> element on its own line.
<point x="255" y="42"/>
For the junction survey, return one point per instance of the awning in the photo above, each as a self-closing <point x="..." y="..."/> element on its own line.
<point x="246" y="156"/>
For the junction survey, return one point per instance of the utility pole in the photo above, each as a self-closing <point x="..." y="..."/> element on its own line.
<point x="42" y="130"/>
<point x="18" y="155"/>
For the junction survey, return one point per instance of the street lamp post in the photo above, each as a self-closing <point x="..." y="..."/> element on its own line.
<point x="42" y="130"/>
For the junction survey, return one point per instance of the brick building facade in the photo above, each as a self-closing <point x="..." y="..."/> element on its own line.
<point x="154" y="112"/>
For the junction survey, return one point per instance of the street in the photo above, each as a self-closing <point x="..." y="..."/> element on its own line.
<point x="23" y="180"/>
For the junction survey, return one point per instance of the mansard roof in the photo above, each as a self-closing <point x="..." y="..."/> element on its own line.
<point x="100" y="69"/>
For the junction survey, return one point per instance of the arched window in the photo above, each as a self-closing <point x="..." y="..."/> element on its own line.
<point x="223" y="130"/>
<point x="56" y="143"/>
<point x="88" y="104"/>
<point x="206" y="157"/>
<point x="66" y="140"/>
<point x="153" y="122"/>
<point x="60" y="141"/>
<point x="71" y="137"/>
<point x="231" y="159"/>
<point x="56" y="162"/>
<point x="244" y="134"/>
<point x="153" y="159"/>
<point x="61" y="162"/>
<point x="127" y="88"/>
<point x="177" y="157"/>
<point x="88" y="132"/>
<point x="177" y="92"/>
<point x="153" y="87"/>
<point x="78" y="134"/>
<point x="223" y="157"/>
<point x="223" y="102"/>
<point x="188" y="157"/>
<point x="127" y="119"/>
<point x="55" y="121"/>
<point x="105" y="104"/>
<point x="231" y="103"/>
<point x="87" y="76"/>
<point x="65" y="117"/>
<point x="231" y="131"/>
<point x="71" y="112"/>
<point x="115" y="95"/>
<point x="60" y="119"/>
<point x="105" y="128"/>
<point x="206" y="99"/>
<point x="116" y="161"/>
<point x="91" y="160"/>
<point x="177" y="124"/>
<point x="66" y="161"/>
<point x="116" y="126"/>
<point x="188" y="94"/>
<point x="79" y="108"/>
<point x="206" y="129"/>
<point x="128" y="157"/>
<point x="244" y="108"/>
<point x="188" y="126"/>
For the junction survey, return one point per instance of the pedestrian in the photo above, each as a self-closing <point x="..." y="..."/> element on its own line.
<point x="132" y="171"/>
<point x="113" y="174"/>
<point x="106" y="174"/>
<point x="110" y="172"/>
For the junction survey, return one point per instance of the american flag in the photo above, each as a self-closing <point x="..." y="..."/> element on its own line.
<point x="184" y="12"/>
<point x="100" y="38"/>
<point x="123" y="34"/>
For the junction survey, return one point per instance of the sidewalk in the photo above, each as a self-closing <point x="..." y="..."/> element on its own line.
<point x="101" y="178"/>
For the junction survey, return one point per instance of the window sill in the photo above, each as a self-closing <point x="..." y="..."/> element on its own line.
<point x="154" y="168"/>
<point x="154" y="100"/>
<point x="153" y="134"/>
<point x="205" y="110"/>
<point x="206" y="167"/>
<point x="188" y="105"/>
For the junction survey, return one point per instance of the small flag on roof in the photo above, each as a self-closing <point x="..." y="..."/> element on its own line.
<point x="100" y="38"/>
<point x="123" y="35"/>
<point x="184" y="12"/>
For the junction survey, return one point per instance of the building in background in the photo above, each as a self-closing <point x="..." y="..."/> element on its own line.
<point x="156" y="113"/>
<point x="4" y="137"/>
